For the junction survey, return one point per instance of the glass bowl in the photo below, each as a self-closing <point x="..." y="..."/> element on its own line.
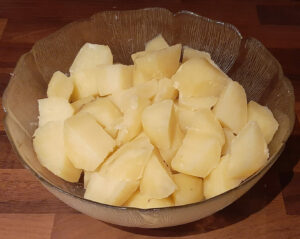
<point x="245" y="60"/>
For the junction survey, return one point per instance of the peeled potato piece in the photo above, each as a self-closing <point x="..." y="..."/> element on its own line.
<point x="157" y="43"/>
<point x="197" y="103"/>
<point x="79" y="103"/>
<point x="165" y="90"/>
<point x="229" y="136"/>
<point x="189" y="53"/>
<point x="60" y="86"/>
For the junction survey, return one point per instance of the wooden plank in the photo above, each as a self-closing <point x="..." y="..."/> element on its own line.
<point x="8" y="158"/>
<point x="29" y="226"/>
<point x="2" y="26"/>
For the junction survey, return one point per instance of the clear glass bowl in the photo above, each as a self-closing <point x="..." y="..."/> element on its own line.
<point x="245" y="60"/>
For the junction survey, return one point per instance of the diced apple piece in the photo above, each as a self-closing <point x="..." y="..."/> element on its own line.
<point x="112" y="191"/>
<point x="129" y="161"/>
<point x="139" y="200"/>
<point x="168" y="154"/>
<point x="197" y="103"/>
<point x="231" y="108"/>
<point x="157" y="180"/>
<point x="198" y="155"/>
<point x="249" y="152"/>
<point x="87" y="143"/>
<point x="54" y="109"/>
<point x="197" y="77"/>
<point x="106" y="114"/>
<point x="264" y="118"/>
<point x="159" y="64"/>
<point x="80" y="103"/>
<point x="60" y="86"/>
<point x="48" y="143"/>
<point x="87" y="177"/>
<point x="189" y="189"/>
<point x="159" y="123"/>
<point x="113" y="78"/>
<point x="202" y="120"/>
<point x="165" y="90"/>
<point x="157" y="43"/>
<point x="229" y="136"/>
<point x="147" y="90"/>
<point x="219" y="180"/>
<point x="91" y="55"/>
<point x="189" y="53"/>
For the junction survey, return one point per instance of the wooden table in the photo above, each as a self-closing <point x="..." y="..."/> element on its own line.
<point x="270" y="210"/>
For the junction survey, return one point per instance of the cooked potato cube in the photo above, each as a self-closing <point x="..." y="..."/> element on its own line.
<point x="86" y="178"/>
<point x="140" y="200"/>
<point x="159" y="123"/>
<point x="189" y="53"/>
<point x="231" y="108"/>
<point x="54" y="109"/>
<point x="106" y="114"/>
<point x="198" y="155"/>
<point x="91" y="55"/>
<point x="80" y="103"/>
<point x="157" y="181"/>
<point x="87" y="143"/>
<point x="147" y="89"/>
<point x="264" y="118"/>
<point x="60" y="86"/>
<point x="229" y="136"/>
<point x="137" y="55"/>
<point x="197" y="103"/>
<point x="165" y="90"/>
<point x="48" y="143"/>
<point x="248" y="152"/>
<point x="113" y="78"/>
<point x="197" y="77"/>
<point x="157" y="43"/>
<point x="189" y="189"/>
<point x="219" y="180"/>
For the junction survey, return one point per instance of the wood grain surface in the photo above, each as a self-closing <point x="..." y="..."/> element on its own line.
<point x="269" y="210"/>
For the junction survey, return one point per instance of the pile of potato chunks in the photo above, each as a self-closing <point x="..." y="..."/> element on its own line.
<point x="171" y="129"/>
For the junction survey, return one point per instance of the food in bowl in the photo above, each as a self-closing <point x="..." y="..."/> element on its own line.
<point x="158" y="133"/>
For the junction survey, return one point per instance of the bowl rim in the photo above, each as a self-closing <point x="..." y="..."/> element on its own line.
<point x="43" y="180"/>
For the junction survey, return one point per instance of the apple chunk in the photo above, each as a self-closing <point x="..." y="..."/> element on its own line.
<point x="87" y="143"/>
<point x="48" y="143"/>
<point x="198" y="155"/>
<point x="60" y="86"/>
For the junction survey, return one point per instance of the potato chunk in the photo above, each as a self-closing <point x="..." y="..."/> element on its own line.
<point x="159" y="123"/>
<point x="229" y="136"/>
<point x="87" y="143"/>
<point x="231" y="108"/>
<point x="264" y="118"/>
<point x="91" y="55"/>
<point x="114" y="78"/>
<point x="48" y="143"/>
<point x="60" y="86"/>
<point x="106" y="114"/>
<point x="157" y="43"/>
<point x="157" y="180"/>
<point x="54" y="109"/>
<point x="165" y="90"/>
<point x="249" y="152"/>
<point x="80" y="103"/>
<point x="198" y="155"/>
<point x="189" y="189"/>
<point x="219" y="180"/>
<point x="189" y="53"/>
<point x="197" y="77"/>
<point x="197" y="103"/>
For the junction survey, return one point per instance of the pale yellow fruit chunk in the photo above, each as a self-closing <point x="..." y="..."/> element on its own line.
<point x="189" y="53"/>
<point x="198" y="155"/>
<point x="147" y="89"/>
<point x="202" y="120"/>
<point x="159" y="64"/>
<point x="165" y="90"/>
<point x="60" y="86"/>
<point x="87" y="143"/>
<point x="54" y="109"/>
<point x="197" y="77"/>
<point x="189" y="189"/>
<point x="197" y="103"/>
<point x="264" y="118"/>
<point x="48" y="143"/>
<point x="248" y="153"/>
<point x="79" y="103"/>
<point x="231" y="108"/>
<point x="157" y="181"/>
<point x="114" y="78"/>
<point x="159" y="123"/>
<point x="137" y="55"/>
<point x="139" y="200"/>
<point x="91" y="55"/>
<point x="112" y="191"/>
<point x="219" y="180"/>
<point x="229" y="136"/>
<point x="106" y="114"/>
<point x="129" y="161"/>
<point x="157" y="43"/>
